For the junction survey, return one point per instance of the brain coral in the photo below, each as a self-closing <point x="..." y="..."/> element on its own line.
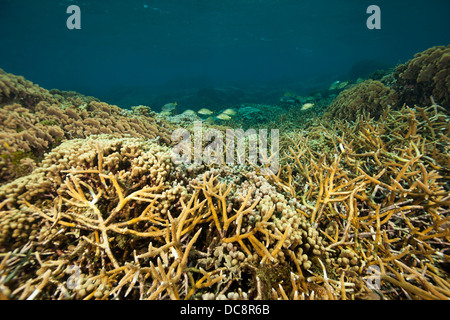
<point x="368" y="96"/>
<point x="425" y="75"/>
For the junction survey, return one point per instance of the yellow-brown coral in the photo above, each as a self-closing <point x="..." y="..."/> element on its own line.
<point x="111" y="217"/>
<point x="370" y="97"/>
<point x="428" y="74"/>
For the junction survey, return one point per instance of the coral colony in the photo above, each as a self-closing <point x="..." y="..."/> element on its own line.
<point x="351" y="202"/>
<point x="235" y="145"/>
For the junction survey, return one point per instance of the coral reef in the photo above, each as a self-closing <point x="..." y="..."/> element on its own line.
<point x="133" y="225"/>
<point x="33" y="121"/>
<point x="380" y="196"/>
<point x="370" y="96"/>
<point x="367" y="68"/>
<point x="120" y="208"/>
<point x="250" y="115"/>
<point x="182" y="120"/>
<point x="17" y="89"/>
<point x="71" y="97"/>
<point x="428" y="74"/>
<point x="92" y="205"/>
<point x="130" y="154"/>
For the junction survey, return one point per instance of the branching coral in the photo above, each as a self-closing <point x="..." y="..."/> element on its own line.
<point x="380" y="197"/>
<point x="106" y="218"/>
<point x="33" y="121"/>
<point x="138" y="227"/>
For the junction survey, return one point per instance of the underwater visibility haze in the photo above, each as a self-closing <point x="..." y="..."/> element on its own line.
<point x="126" y="47"/>
<point x="211" y="150"/>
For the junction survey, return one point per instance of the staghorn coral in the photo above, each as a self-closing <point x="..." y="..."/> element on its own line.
<point x="381" y="198"/>
<point x="89" y="217"/>
<point x="259" y="226"/>
<point x="428" y="74"/>
<point x="369" y="96"/>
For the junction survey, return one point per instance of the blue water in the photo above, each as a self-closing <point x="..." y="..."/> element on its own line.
<point x="194" y="44"/>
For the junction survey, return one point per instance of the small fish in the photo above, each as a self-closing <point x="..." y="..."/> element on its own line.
<point x="229" y="112"/>
<point x="189" y="112"/>
<point x="224" y="117"/>
<point x="205" y="112"/>
<point x="307" y="106"/>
